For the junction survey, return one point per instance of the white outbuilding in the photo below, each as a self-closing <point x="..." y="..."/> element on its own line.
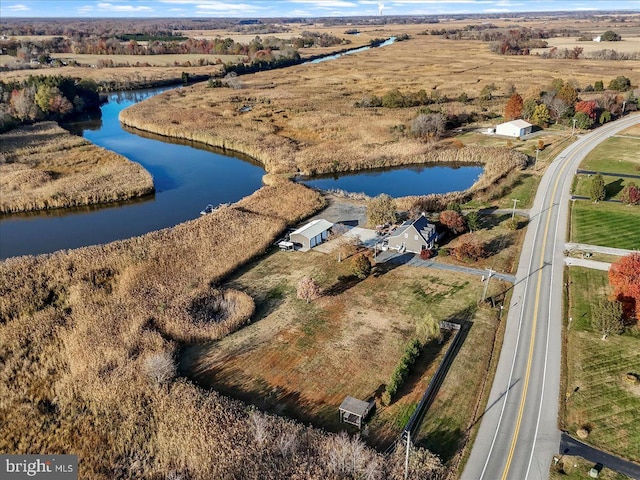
<point x="514" y="128"/>
<point x="312" y="234"/>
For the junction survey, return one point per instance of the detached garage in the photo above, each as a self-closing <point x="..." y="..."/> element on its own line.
<point x="312" y="234"/>
<point x="514" y="128"/>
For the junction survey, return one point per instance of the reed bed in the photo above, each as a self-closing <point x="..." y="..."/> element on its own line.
<point x="87" y="341"/>
<point x="42" y="166"/>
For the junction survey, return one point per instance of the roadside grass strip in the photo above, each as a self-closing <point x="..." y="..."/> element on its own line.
<point x="605" y="224"/>
<point x="615" y="155"/>
<point x="598" y="398"/>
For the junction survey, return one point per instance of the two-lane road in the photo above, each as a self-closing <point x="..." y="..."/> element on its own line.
<point x="519" y="435"/>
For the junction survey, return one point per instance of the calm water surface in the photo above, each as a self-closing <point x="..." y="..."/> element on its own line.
<point x="413" y="180"/>
<point x="186" y="176"/>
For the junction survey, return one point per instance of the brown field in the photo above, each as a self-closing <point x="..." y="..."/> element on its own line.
<point x="87" y="346"/>
<point x="43" y="166"/>
<point x="152" y="60"/>
<point x="5" y="59"/>
<point x="301" y="359"/>
<point x="629" y="44"/>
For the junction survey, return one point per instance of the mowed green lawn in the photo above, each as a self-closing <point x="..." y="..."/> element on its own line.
<point x="613" y="185"/>
<point x="606" y="224"/>
<point x="599" y="397"/>
<point x="615" y="155"/>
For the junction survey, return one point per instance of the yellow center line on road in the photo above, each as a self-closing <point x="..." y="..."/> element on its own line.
<point x="533" y="327"/>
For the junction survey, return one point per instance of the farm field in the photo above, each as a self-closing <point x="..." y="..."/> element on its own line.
<point x="606" y="224"/>
<point x="598" y="397"/>
<point x="46" y="167"/>
<point x="628" y="44"/>
<point x="301" y="359"/>
<point x="615" y="155"/>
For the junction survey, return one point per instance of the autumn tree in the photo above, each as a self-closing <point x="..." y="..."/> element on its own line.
<point x="624" y="277"/>
<point x="630" y="194"/>
<point x="590" y="108"/>
<point x="598" y="86"/>
<point x="540" y="115"/>
<point x="513" y="109"/>
<point x="308" y="289"/>
<point x="469" y="247"/>
<point x="607" y="317"/>
<point x="23" y="104"/>
<point x="453" y="221"/>
<point x="568" y="94"/>
<point x="597" y="190"/>
<point x="381" y="210"/>
<point x="528" y="108"/>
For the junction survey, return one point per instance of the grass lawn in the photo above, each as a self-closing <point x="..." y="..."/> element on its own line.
<point x="606" y="224"/>
<point x="301" y="360"/>
<point x="615" y="155"/>
<point x="577" y="468"/>
<point x="613" y="185"/>
<point x="599" y="397"/>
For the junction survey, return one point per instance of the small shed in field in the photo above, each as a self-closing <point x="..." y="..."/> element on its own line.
<point x="354" y="411"/>
<point x="312" y="234"/>
<point x="514" y="128"/>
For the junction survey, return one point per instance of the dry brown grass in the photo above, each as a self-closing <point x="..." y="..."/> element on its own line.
<point x="80" y="332"/>
<point x="43" y="166"/>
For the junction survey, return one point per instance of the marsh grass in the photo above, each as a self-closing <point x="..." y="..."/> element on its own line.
<point x="86" y="341"/>
<point x="42" y="166"/>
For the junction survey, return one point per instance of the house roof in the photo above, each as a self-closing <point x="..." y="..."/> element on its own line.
<point x="517" y="123"/>
<point x="355" y="406"/>
<point x="313" y="228"/>
<point x="421" y="224"/>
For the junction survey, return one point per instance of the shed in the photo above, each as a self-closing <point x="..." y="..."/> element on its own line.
<point x="312" y="234"/>
<point x="514" y="128"/>
<point x="354" y="411"/>
<point x="413" y="236"/>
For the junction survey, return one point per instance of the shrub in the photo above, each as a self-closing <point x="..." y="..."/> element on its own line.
<point x="469" y="248"/>
<point x="409" y="356"/>
<point x="631" y="194"/>
<point x="598" y="86"/>
<point x="426" y="254"/>
<point x="381" y="210"/>
<point x="160" y="367"/>
<point x="620" y="84"/>
<point x="597" y="192"/>
<point x="453" y="221"/>
<point x="361" y="266"/>
<point x="512" y="224"/>
<point x="473" y="221"/>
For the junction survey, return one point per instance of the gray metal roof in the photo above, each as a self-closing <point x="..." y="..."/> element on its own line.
<point x="355" y="406"/>
<point x="311" y="229"/>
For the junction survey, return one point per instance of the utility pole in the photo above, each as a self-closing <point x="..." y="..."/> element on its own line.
<point x="515" y="200"/>
<point x="486" y="285"/>
<point x="537" y="152"/>
<point x="624" y="104"/>
<point x="573" y="129"/>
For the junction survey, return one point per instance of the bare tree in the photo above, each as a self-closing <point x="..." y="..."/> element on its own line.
<point x="287" y="443"/>
<point x="429" y="125"/>
<point x="344" y="243"/>
<point x="260" y="427"/>
<point x="308" y="289"/>
<point x="232" y="81"/>
<point x="161" y="367"/>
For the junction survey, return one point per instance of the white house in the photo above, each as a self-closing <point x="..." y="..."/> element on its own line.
<point x="312" y="234"/>
<point x="514" y="128"/>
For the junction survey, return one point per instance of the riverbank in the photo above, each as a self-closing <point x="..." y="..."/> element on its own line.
<point x="86" y="340"/>
<point x="45" y="167"/>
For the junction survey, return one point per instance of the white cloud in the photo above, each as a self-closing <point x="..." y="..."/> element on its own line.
<point x="227" y="7"/>
<point x="123" y="8"/>
<point x="327" y="3"/>
<point x="18" y="8"/>
<point x="496" y="10"/>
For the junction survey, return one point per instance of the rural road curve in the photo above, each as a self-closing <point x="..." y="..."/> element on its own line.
<point x="519" y="432"/>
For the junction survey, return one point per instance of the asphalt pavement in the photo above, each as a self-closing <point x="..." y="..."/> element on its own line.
<point x="518" y="435"/>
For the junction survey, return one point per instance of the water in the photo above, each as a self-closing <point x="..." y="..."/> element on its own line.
<point x="389" y="41"/>
<point x="412" y="180"/>
<point x="187" y="177"/>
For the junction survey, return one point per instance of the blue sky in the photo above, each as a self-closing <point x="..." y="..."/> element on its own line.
<point x="291" y="8"/>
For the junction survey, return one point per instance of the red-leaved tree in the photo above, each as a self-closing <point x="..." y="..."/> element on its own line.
<point x="630" y="194"/>
<point x="453" y="220"/>
<point x="624" y="277"/>
<point x="513" y="109"/>
<point x="590" y="108"/>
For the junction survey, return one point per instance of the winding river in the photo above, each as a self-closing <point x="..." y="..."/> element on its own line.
<point x="187" y="176"/>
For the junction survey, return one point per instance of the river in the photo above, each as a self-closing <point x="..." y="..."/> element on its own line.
<point x="187" y="176"/>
